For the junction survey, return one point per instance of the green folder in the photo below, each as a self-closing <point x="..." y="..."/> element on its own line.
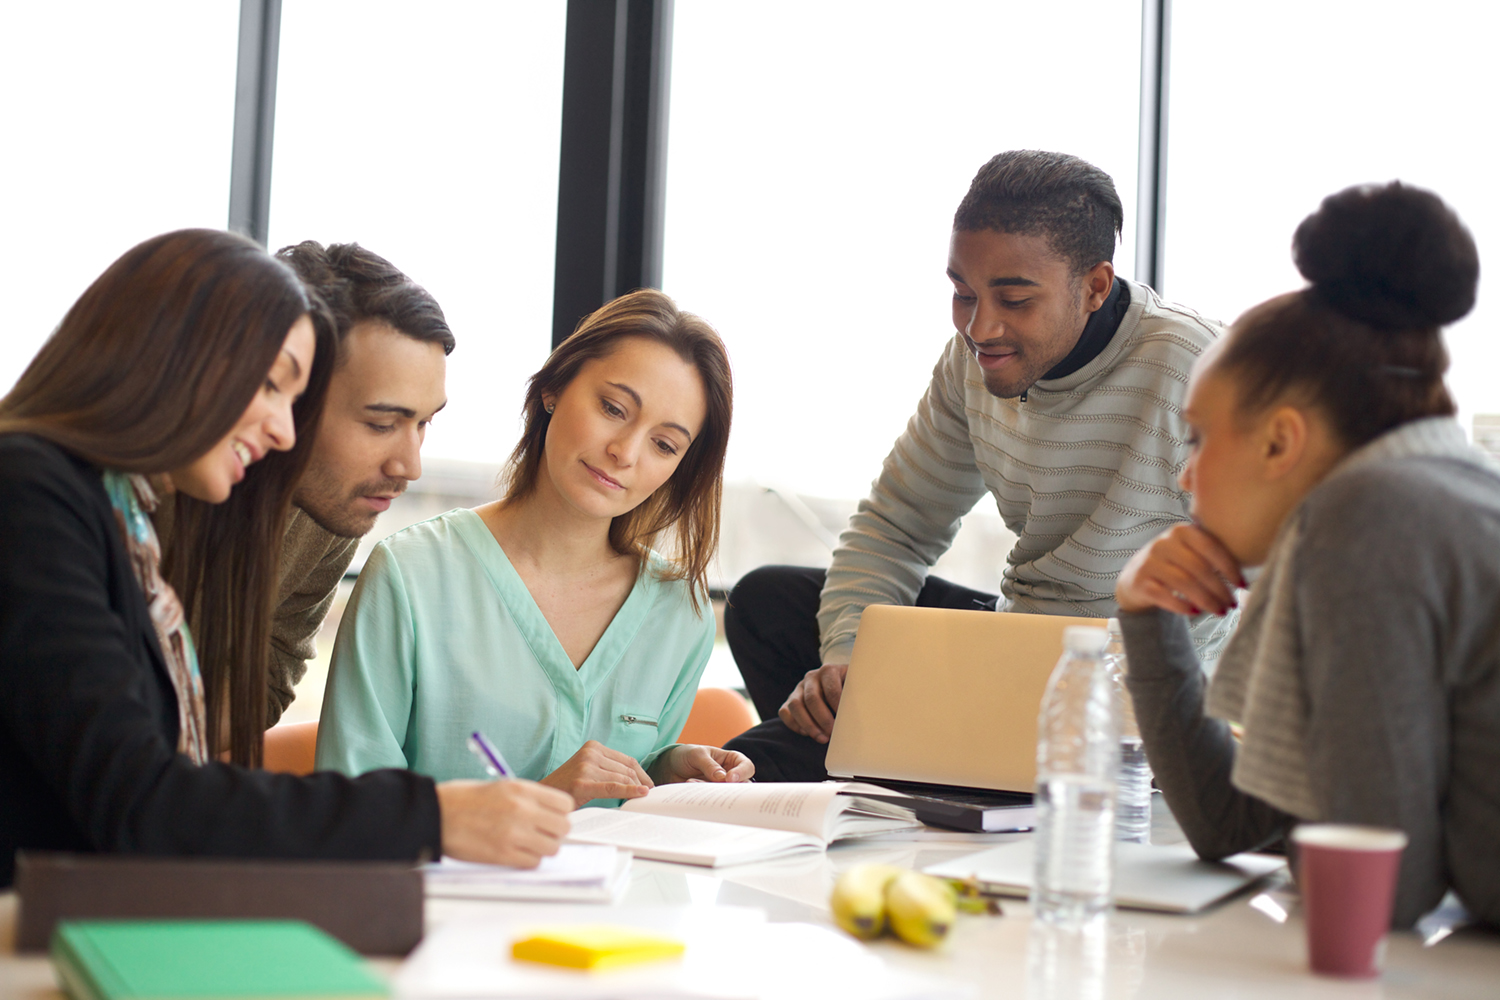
<point x="207" y="960"/>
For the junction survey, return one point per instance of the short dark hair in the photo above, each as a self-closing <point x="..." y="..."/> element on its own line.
<point x="1388" y="266"/>
<point x="359" y="285"/>
<point x="1070" y="203"/>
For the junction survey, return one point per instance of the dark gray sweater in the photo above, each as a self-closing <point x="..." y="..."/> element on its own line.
<point x="1398" y="595"/>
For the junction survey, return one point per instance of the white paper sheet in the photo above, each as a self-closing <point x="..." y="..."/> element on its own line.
<point x="687" y="841"/>
<point x="576" y="873"/>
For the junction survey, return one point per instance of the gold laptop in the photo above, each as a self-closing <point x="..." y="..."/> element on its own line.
<point x="943" y="697"/>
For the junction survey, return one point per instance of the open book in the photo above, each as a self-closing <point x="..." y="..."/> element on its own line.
<point x="700" y="823"/>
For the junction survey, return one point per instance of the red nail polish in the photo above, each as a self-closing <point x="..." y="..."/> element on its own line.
<point x="1196" y="611"/>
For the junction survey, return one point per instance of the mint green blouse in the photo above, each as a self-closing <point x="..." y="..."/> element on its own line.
<point x="442" y="638"/>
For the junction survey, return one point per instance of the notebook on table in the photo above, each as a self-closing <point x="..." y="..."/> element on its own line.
<point x="1167" y="879"/>
<point x="207" y="960"/>
<point x="374" y="907"/>
<point x="942" y="705"/>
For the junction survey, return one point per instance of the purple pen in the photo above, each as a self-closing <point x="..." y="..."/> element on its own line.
<point x="489" y="755"/>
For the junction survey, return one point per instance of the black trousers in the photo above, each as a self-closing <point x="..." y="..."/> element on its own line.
<point x="771" y="622"/>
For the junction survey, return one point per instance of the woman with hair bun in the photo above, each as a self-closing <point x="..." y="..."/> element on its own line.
<point x="1365" y="671"/>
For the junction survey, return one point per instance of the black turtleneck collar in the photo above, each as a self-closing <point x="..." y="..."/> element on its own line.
<point x="1097" y="332"/>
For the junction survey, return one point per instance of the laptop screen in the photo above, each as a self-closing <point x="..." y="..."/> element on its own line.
<point x="946" y="697"/>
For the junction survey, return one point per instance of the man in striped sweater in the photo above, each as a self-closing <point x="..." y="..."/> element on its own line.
<point x="1061" y="397"/>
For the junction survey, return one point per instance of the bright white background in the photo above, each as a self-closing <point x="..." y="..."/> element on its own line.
<point x="1278" y="104"/>
<point x="428" y="132"/>
<point x="118" y="120"/>
<point x="818" y="151"/>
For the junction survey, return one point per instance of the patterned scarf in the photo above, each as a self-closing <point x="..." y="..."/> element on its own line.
<point x="133" y="500"/>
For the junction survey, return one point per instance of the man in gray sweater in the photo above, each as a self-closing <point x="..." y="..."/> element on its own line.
<point x="1061" y="396"/>
<point x="388" y="383"/>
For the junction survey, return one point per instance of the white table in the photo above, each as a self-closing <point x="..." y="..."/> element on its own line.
<point x="1248" y="948"/>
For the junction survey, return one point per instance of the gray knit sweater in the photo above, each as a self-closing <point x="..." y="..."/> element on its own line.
<point x="1396" y="586"/>
<point x="1084" y="472"/>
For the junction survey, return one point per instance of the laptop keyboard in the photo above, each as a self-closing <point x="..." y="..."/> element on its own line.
<point x="947" y="793"/>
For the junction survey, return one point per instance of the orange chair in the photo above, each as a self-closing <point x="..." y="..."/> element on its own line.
<point x="289" y="748"/>
<point x="718" y="716"/>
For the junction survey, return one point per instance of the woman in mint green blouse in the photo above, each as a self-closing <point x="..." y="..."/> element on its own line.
<point x="545" y="620"/>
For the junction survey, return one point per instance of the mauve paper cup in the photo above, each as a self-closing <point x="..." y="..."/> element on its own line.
<point x="1348" y="880"/>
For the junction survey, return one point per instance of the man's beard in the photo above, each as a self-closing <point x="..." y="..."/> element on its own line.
<point x="337" y="513"/>
<point x="1015" y="384"/>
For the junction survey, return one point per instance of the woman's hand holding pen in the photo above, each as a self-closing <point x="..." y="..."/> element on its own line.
<point x="597" y="772"/>
<point x="697" y="763"/>
<point x="514" y="822"/>
<point x="1184" y="570"/>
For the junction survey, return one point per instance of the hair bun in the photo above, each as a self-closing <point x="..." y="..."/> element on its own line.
<point x="1392" y="256"/>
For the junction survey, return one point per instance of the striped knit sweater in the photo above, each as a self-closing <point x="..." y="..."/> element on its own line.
<point x="1084" y="472"/>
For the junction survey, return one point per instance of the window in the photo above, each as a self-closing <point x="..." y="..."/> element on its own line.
<point x="429" y="134"/>
<point x="1277" y="106"/>
<point x="817" y="154"/>
<point x="118" y="121"/>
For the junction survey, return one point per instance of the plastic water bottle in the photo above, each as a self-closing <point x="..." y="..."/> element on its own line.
<point x="1077" y="768"/>
<point x="1133" y="809"/>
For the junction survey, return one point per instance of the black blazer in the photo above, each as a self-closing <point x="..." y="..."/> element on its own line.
<point x="88" y="715"/>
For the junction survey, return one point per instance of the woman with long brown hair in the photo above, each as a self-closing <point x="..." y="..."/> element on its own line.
<point x="191" y="372"/>
<point x="545" y="620"/>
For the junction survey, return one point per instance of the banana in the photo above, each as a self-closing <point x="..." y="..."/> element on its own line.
<point x="920" y="908"/>
<point x="858" y="900"/>
<point x="971" y="898"/>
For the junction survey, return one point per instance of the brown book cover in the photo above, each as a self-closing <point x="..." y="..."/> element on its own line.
<point x="374" y="907"/>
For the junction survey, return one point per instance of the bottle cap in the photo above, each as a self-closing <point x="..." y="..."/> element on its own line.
<point x="1085" y="639"/>
<point x="1113" y="626"/>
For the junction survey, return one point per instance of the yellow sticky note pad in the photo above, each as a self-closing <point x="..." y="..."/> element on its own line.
<point x="595" y="946"/>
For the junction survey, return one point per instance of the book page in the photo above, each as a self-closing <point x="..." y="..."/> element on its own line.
<point x="808" y="808"/>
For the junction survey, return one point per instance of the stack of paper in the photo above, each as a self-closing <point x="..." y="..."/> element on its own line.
<point x="579" y="873"/>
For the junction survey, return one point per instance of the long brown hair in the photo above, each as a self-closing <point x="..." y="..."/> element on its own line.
<point x="150" y="368"/>
<point x="686" y="505"/>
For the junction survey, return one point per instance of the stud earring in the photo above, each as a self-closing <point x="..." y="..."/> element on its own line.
<point x="548" y="407"/>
